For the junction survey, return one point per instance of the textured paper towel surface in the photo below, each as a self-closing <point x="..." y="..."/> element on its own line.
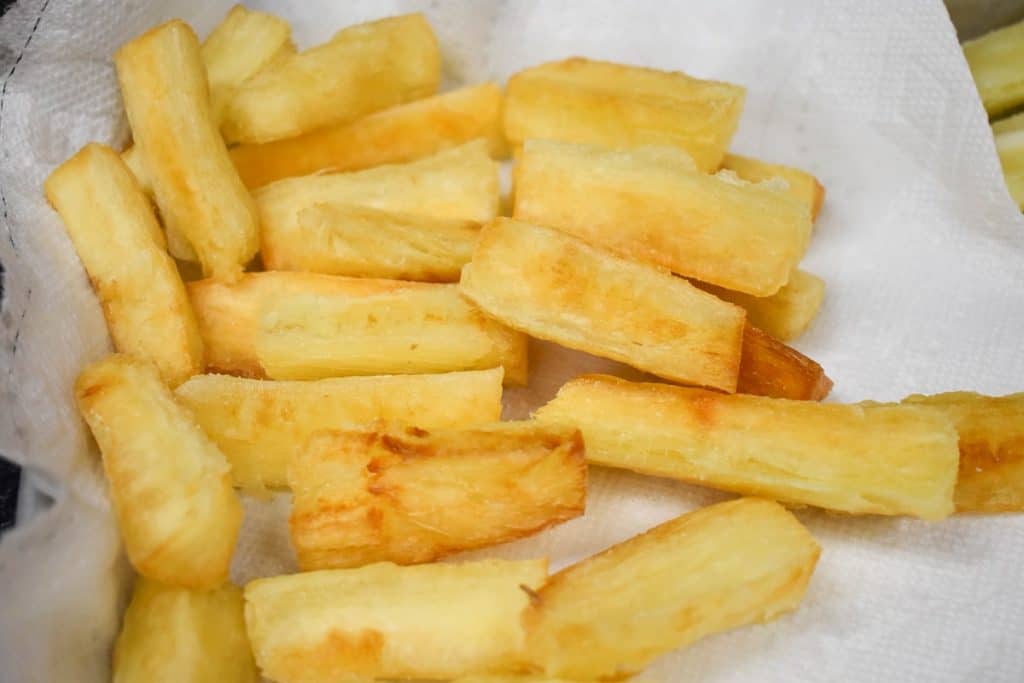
<point x="922" y="249"/>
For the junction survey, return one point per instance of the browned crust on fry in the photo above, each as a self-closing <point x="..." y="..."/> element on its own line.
<point x="770" y="368"/>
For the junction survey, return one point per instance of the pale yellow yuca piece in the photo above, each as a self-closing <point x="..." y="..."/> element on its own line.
<point x="290" y="325"/>
<point x="362" y="69"/>
<point x="431" y="621"/>
<point x="648" y="207"/>
<point x="1010" y="148"/>
<point x="1009" y="124"/>
<point x="171" y="486"/>
<point x="742" y="562"/>
<point x="346" y="239"/>
<point x="164" y="88"/>
<point x="614" y="105"/>
<point x="862" y="458"/>
<point x="175" y="634"/>
<point x="396" y="135"/>
<point x="786" y="314"/>
<point x="407" y="495"/>
<point x="801" y="185"/>
<point x="991" y="429"/>
<point x="118" y="238"/>
<point x="559" y="288"/>
<point x="994" y="60"/>
<point x="260" y="425"/>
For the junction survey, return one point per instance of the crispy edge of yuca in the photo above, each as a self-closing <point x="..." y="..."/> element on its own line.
<point x="769" y="367"/>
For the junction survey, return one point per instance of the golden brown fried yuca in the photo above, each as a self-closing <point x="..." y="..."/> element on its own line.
<point x="119" y="240"/>
<point x="614" y="105"/>
<point x="556" y="287"/>
<point x="993" y="60"/>
<point x="288" y="325"/>
<point x="801" y="185"/>
<point x="260" y="424"/>
<point x="407" y="495"/>
<point x="861" y="458"/>
<point x="741" y="562"/>
<point x="396" y="135"/>
<point x="770" y="368"/>
<point x="362" y="69"/>
<point x="991" y="429"/>
<point x="431" y="621"/>
<point x="174" y="634"/>
<point x="649" y="205"/>
<point x="164" y="88"/>
<point x="787" y="313"/>
<point x="171" y="486"/>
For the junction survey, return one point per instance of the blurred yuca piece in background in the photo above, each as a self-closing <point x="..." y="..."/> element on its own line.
<point x="260" y="424"/>
<point x="362" y="69"/>
<point x="860" y="458"/>
<point x="163" y="84"/>
<point x="614" y="105"/>
<point x="396" y="135"/>
<point x="285" y="325"/>
<point x="173" y="634"/>
<point x="650" y="204"/>
<point x="429" y="621"/>
<point x="171" y="486"/>
<point x="787" y="313"/>
<point x="742" y="562"/>
<point x="407" y="495"/>
<point x="770" y="368"/>
<point x="118" y="238"/>
<point x="802" y="186"/>
<point x="556" y="287"/>
<point x="995" y="60"/>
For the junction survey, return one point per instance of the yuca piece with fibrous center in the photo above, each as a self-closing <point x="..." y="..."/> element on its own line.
<point x="556" y="287"/>
<point x="728" y="565"/>
<point x="170" y="485"/>
<point x="800" y="185"/>
<point x="770" y="368"/>
<point x="119" y="240"/>
<point x="396" y="135"/>
<point x="991" y="429"/>
<point x="164" y="88"/>
<point x="614" y="105"/>
<point x="408" y="495"/>
<point x="283" y="325"/>
<point x="785" y="314"/>
<point x="174" y="634"/>
<point x="860" y="458"/>
<point x="362" y="69"/>
<point x="261" y="424"/>
<point x="652" y="205"/>
<point x="993" y="59"/>
<point x="431" y="621"/>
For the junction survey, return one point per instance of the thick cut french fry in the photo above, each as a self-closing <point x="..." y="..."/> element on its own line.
<point x="736" y="563"/>
<point x="174" y="634"/>
<point x="991" y="429"/>
<point x="198" y="191"/>
<point x="614" y="105"/>
<point x="431" y="621"/>
<point x="260" y="425"/>
<point x="397" y="135"/>
<point x="118" y="238"/>
<point x="559" y="288"/>
<point x="648" y="206"/>
<point x="171" y="486"/>
<point x="801" y="185"/>
<point x="785" y="314"/>
<point x="770" y="368"/>
<point x="993" y="59"/>
<point x="405" y="495"/>
<point x="362" y="69"/>
<point x="285" y="325"/>
<point x="862" y="459"/>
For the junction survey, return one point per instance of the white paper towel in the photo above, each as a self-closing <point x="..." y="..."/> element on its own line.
<point x="922" y="249"/>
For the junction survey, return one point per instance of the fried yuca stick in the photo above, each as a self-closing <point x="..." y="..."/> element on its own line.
<point x="396" y="135"/>
<point x="862" y="458"/>
<point x="991" y="429"/>
<point x="119" y="240"/>
<point x="787" y="313"/>
<point x="802" y="186"/>
<point x="362" y="69"/>
<point x="614" y="105"/>
<point x="431" y="621"/>
<point x="559" y="288"/>
<point x="770" y="368"/>
<point x="741" y="562"/>
<point x="163" y="84"/>
<point x="260" y="425"/>
<point x="408" y="495"/>
<point x="284" y="325"/>
<point x="171" y="486"/>
<point x="173" y="634"/>
<point x="651" y="205"/>
<point x="993" y="59"/>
